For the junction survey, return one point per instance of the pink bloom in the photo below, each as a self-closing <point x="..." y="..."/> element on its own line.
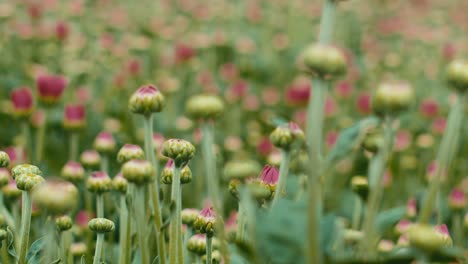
<point x="229" y="71"/>
<point x="22" y="100"/>
<point x="264" y="147"/>
<point x="82" y="219"/>
<point x="269" y="175"/>
<point x="363" y="103"/>
<point x="62" y="30"/>
<point x="74" y="116"/>
<point x="411" y="208"/>
<point x="169" y="164"/>
<point x="298" y="94"/>
<point x="403" y="140"/>
<point x="270" y="96"/>
<point x="443" y="230"/>
<point x="237" y="91"/>
<point x="184" y="53"/>
<point x="344" y="89"/>
<point x="402" y="226"/>
<point x="251" y="103"/>
<point x="438" y="125"/>
<point x="331" y="138"/>
<point x="134" y="67"/>
<point x="50" y="87"/>
<point x="429" y="108"/>
<point x="457" y="199"/>
<point x="208" y="213"/>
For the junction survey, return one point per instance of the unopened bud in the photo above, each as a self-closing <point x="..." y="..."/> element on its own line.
<point x="215" y="257"/>
<point x="63" y="223"/>
<point x="189" y="215"/>
<point x="146" y="100"/>
<point x="204" y="107"/>
<point x="429" y="238"/>
<point x="50" y="88"/>
<point x="24" y="169"/>
<point x="22" y="100"/>
<point x="99" y="182"/>
<point x="241" y="169"/>
<point x="73" y="172"/>
<point x="457" y="75"/>
<point x="4" y="159"/>
<point x="385" y="246"/>
<point x="104" y="143"/>
<point x="205" y="221"/>
<point x="392" y="98"/>
<point x="285" y="136"/>
<point x="130" y="152"/>
<point x="457" y="200"/>
<point x="28" y="181"/>
<point x="57" y="197"/>
<point x="78" y="249"/>
<point x="197" y="244"/>
<point x="74" y="117"/>
<point x="119" y="183"/>
<point x="181" y="151"/>
<point x="373" y="141"/>
<point x="138" y="171"/>
<point x="90" y="159"/>
<point x="168" y="173"/>
<point x="101" y="225"/>
<point x="360" y="185"/>
<point x="325" y="61"/>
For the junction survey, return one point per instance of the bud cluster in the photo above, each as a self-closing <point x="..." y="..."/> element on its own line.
<point x="179" y="150"/>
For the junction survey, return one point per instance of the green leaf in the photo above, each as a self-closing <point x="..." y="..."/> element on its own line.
<point x="449" y="254"/>
<point x="11" y="246"/>
<point x="389" y="218"/>
<point x="34" y="251"/>
<point x="83" y="259"/>
<point x="172" y="207"/>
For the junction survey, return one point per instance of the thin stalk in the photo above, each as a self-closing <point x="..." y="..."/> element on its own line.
<point x="26" y="133"/>
<point x="154" y="187"/>
<point x="25" y="226"/>
<point x="187" y="256"/>
<point x="175" y="228"/>
<point x="444" y="156"/>
<point x="6" y="214"/>
<point x="141" y="223"/>
<point x="40" y="139"/>
<point x="74" y="146"/>
<point x="105" y="163"/>
<point x="98" y="252"/>
<point x="240" y="233"/>
<point x="65" y="242"/>
<point x="357" y="214"/>
<point x="327" y="21"/>
<point x="458" y="232"/>
<point x="209" y="259"/>
<point x="212" y="182"/>
<point x="124" y="243"/>
<point x="283" y="174"/>
<point x="100" y="205"/>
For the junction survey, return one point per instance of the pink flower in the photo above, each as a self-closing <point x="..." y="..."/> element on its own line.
<point x="74" y="116"/>
<point x="403" y="140"/>
<point x="402" y="226"/>
<point x="264" y="147"/>
<point x="298" y="94"/>
<point x="237" y="91"/>
<point x="411" y="208"/>
<point x="229" y="72"/>
<point x="17" y="155"/>
<point x="22" y="101"/>
<point x="134" y="67"/>
<point x="269" y="175"/>
<point x="82" y="219"/>
<point x="457" y="199"/>
<point x="438" y="125"/>
<point x="183" y="53"/>
<point x="429" y="108"/>
<point x="344" y="89"/>
<point x="169" y="164"/>
<point x="50" y="87"/>
<point x="62" y="30"/>
<point x="208" y="213"/>
<point x="331" y="138"/>
<point x="363" y="103"/>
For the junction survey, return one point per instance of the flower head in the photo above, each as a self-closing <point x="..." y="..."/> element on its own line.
<point x="129" y="152"/>
<point x="4" y="159"/>
<point x="138" y="171"/>
<point x="57" y="197"/>
<point x="104" y="143"/>
<point x="22" y="100"/>
<point x="146" y="100"/>
<point x="74" y="117"/>
<point x="181" y="151"/>
<point x="457" y="199"/>
<point x="205" y="222"/>
<point x="50" y="88"/>
<point x="73" y="172"/>
<point x="99" y="182"/>
<point x="90" y="159"/>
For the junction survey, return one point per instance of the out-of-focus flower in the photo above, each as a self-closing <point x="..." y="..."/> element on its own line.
<point x="264" y="146"/>
<point x="363" y="103"/>
<point x="74" y="117"/>
<point x="236" y="91"/>
<point x="403" y="140"/>
<point x="50" y="88"/>
<point x="438" y="125"/>
<point x="57" y="197"/>
<point x="62" y="30"/>
<point x="392" y="98"/>
<point x="146" y="100"/>
<point x="429" y="108"/>
<point x="99" y="182"/>
<point x="73" y="172"/>
<point x="229" y="72"/>
<point x="343" y="89"/>
<point x="205" y="221"/>
<point x="204" y="107"/>
<point x="183" y="53"/>
<point x="22" y="100"/>
<point x="298" y="93"/>
<point x="457" y="199"/>
<point x="104" y="143"/>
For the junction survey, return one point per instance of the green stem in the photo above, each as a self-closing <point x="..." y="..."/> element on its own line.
<point x="98" y="252"/>
<point x="209" y="259"/>
<point x="141" y="223"/>
<point x="212" y="182"/>
<point x="458" y="232"/>
<point x="25" y="226"/>
<point x="175" y="227"/>
<point x="240" y="223"/>
<point x="100" y="205"/>
<point x="124" y="243"/>
<point x="327" y="22"/>
<point x="74" y="146"/>
<point x="357" y="213"/>
<point x="105" y="163"/>
<point x="5" y="255"/>
<point x="40" y="139"/>
<point x="26" y="133"/>
<point x="283" y="174"/>
<point x="65" y="242"/>
<point x="6" y="214"/>
<point x="444" y="156"/>
<point x="154" y="187"/>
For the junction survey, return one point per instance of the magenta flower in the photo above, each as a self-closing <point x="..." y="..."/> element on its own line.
<point x="183" y="53"/>
<point x="134" y="67"/>
<point x="62" y="30"/>
<point x="237" y="91"/>
<point x="298" y="94"/>
<point x="344" y="89"/>
<point x="50" y="88"/>
<point x="457" y="199"/>
<point x="22" y="100"/>
<point x="17" y="155"/>
<point x="363" y="103"/>
<point x="82" y="219"/>
<point x="429" y="108"/>
<point x="403" y="140"/>
<point x="264" y="147"/>
<point x="269" y="175"/>
<point x="169" y="164"/>
<point x="74" y="116"/>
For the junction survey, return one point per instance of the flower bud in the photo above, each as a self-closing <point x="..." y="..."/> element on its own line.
<point x="205" y="221"/>
<point x="28" y="181"/>
<point x="90" y="159"/>
<point x="101" y="225"/>
<point x="57" y="197"/>
<point x="429" y="238"/>
<point x="373" y="141"/>
<point x="181" y="151"/>
<point x="63" y="223"/>
<point x="4" y="159"/>
<point x="189" y="215"/>
<point x="215" y="257"/>
<point x="204" y="107"/>
<point x="129" y="152"/>
<point x="360" y="185"/>
<point x="50" y="88"/>
<point x="392" y="98"/>
<point x="78" y="249"/>
<point x="241" y="169"/>
<point x="74" y="117"/>
<point x="99" y="182"/>
<point x="269" y="177"/>
<point x="325" y="61"/>
<point x="119" y="183"/>
<point x="284" y="136"/>
<point x="146" y="100"/>
<point x="168" y="172"/>
<point x="259" y="190"/>
<point x="402" y="227"/>
<point x="385" y="246"/>
<point x="104" y="143"/>
<point x="138" y="171"/>
<point x="411" y="208"/>
<point x="457" y="75"/>
<point x="73" y="172"/>
<point x="5" y="177"/>
<point x="10" y="191"/>
<point x="197" y="244"/>
<point x="457" y="200"/>
<point x="24" y="169"/>
<point x="22" y="100"/>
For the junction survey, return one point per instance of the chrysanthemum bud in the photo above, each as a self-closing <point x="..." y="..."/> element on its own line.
<point x="373" y="141"/>
<point x="4" y="177"/>
<point x="78" y="249"/>
<point x="360" y="185"/>
<point x="4" y="159"/>
<point x="204" y="107"/>
<point x="50" y="88"/>
<point x="352" y="236"/>
<point x="168" y="172"/>
<point x="57" y="197"/>
<point x="181" y="151"/>
<point x="24" y="169"/>
<point x="63" y="223"/>
<point x="385" y="246"/>
<point x="129" y="152"/>
<point x="28" y="181"/>
<point x="119" y="183"/>
<point x="104" y="143"/>
<point x="90" y="159"/>
<point x="269" y="177"/>
<point x="215" y="257"/>
<point x="392" y="98"/>
<point x="99" y="182"/>
<point x="10" y="191"/>
<point x="73" y="172"/>
<point x="284" y="136"/>
<point x="138" y="171"/>
<point x="457" y="200"/>
<point x="189" y="215"/>
<point x="457" y="75"/>
<point x="197" y="244"/>
<point x="429" y="238"/>
<point x="241" y="169"/>
<point x="3" y="235"/>
<point x="74" y="117"/>
<point x="101" y="225"/>
<point x="146" y="100"/>
<point x="325" y="61"/>
<point x="259" y="190"/>
<point x="402" y="226"/>
<point x="22" y="100"/>
<point x="205" y="221"/>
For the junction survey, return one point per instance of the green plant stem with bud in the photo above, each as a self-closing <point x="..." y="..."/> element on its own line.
<point x="212" y="183"/>
<point x="100" y="205"/>
<point x="154" y="187"/>
<point x="99" y="246"/>
<point x="175" y="249"/>
<point x="74" y="146"/>
<point x="376" y="171"/>
<point x="141" y="223"/>
<point x="283" y="174"/>
<point x="444" y="156"/>
<point x="124" y="243"/>
<point x="209" y="240"/>
<point x="25" y="226"/>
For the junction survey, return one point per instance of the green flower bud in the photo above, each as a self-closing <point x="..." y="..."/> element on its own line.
<point x="215" y="257"/>
<point x="241" y="169"/>
<point x="168" y="172"/>
<point x="130" y="152"/>
<point x="78" y="249"/>
<point x="3" y="235"/>
<point x="146" y="100"/>
<point x="119" y="183"/>
<point x="181" y="151"/>
<point x="205" y="221"/>
<point x="234" y="187"/>
<point x="260" y="191"/>
<point x="189" y="215"/>
<point x="325" y="61"/>
<point x="57" y="197"/>
<point x="360" y="185"/>
<point x="204" y="107"/>
<point x="101" y="225"/>
<point x="90" y="159"/>
<point x="99" y="182"/>
<point x="28" y="181"/>
<point x="429" y="238"/>
<point x="73" y="172"/>
<point x="457" y="75"/>
<point x="10" y="191"/>
<point x="285" y="136"/>
<point x="4" y="159"/>
<point x="4" y="177"/>
<point x="197" y="244"/>
<point x="25" y="169"/>
<point x="138" y="171"/>
<point x="373" y="141"/>
<point x="392" y="98"/>
<point x="104" y="143"/>
<point x="63" y="223"/>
